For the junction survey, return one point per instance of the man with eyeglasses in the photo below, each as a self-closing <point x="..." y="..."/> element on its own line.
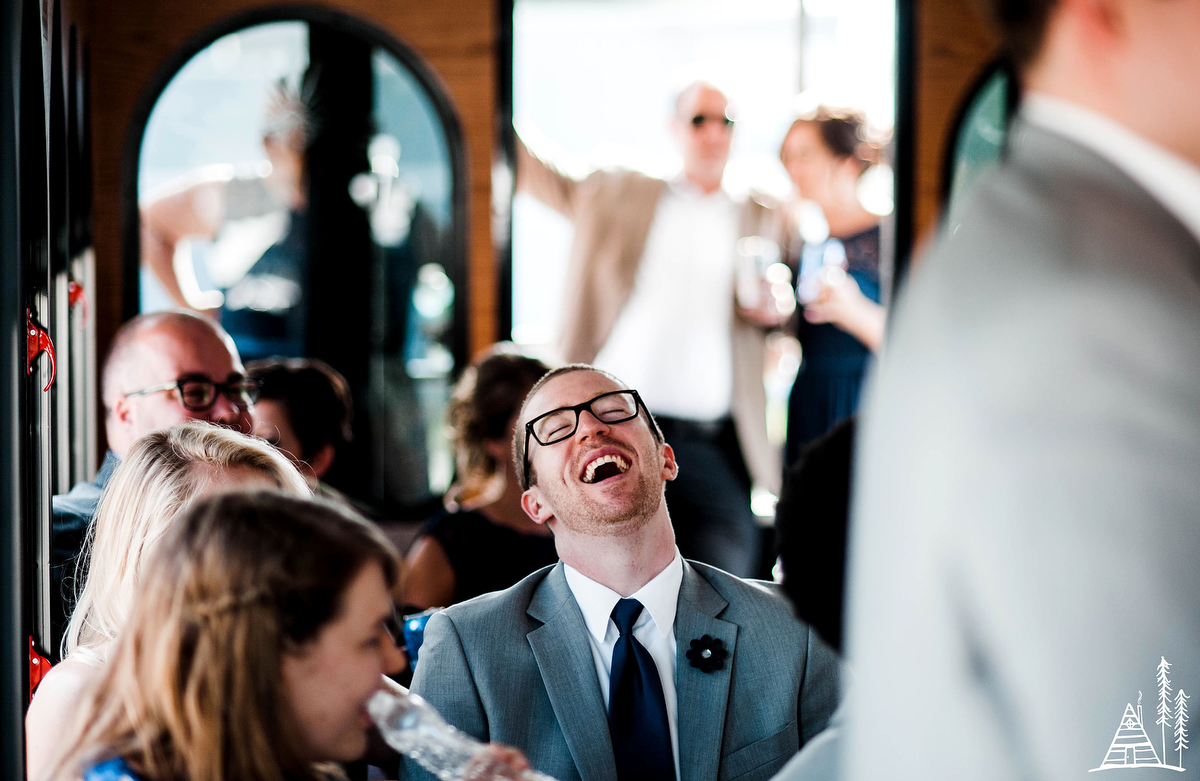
<point x="650" y="297"/>
<point x="624" y="661"/>
<point x="163" y="368"/>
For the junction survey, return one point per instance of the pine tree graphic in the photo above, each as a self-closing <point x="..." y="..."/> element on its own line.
<point x="1164" y="701"/>
<point x="1181" y="717"/>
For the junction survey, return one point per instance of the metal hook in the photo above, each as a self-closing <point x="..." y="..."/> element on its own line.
<point x="38" y="341"/>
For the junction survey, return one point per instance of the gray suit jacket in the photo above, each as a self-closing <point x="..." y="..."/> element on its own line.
<point x="1026" y="539"/>
<point x="515" y="667"/>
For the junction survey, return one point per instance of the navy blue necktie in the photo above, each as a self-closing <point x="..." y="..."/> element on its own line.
<point x="637" y="712"/>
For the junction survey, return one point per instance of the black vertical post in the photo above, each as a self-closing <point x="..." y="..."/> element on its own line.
<point x="14" y="659"/>
<point x="906" y="109"/>
<point x="506" y="155"/>
<point x="340" y="88"/>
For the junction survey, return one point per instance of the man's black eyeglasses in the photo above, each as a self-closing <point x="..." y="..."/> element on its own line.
<point x="700" y="120"/>
<point x="198" y="394"/>
<point x="554" y="426"/>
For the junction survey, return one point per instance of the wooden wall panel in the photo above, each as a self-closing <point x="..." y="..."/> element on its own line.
<point x="953" y="45"/>
<point x="130" y="40"/>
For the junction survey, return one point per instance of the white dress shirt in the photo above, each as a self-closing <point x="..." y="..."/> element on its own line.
<point x="654" y="629"/>
<point x="673" y="339"/>
<point x="1171" y="180"/>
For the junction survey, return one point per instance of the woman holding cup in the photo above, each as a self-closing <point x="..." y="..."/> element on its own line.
<point x="838" y="284"/>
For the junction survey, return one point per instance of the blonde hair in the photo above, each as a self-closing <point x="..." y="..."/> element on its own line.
<point x="162" y="473"/>
<point x="193" y="690"/>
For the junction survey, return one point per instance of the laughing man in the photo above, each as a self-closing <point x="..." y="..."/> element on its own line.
<point x="623" y="661"/>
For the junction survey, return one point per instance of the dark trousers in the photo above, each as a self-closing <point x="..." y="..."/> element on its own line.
<point x="709" y="501"/>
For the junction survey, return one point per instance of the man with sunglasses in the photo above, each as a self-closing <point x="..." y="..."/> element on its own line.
<point x="650" y="297"/>
<point x="163" y="368"/>
<point x="624" y="661"/>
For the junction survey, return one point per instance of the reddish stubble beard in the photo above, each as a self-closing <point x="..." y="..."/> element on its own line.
<point x="582" y="514"/>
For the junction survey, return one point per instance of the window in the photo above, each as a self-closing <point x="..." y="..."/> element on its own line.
<point x="300" y="180"/>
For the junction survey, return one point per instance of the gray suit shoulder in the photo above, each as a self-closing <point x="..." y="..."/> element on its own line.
<point x="759" y="597"/>
<point x="496" y="610"/>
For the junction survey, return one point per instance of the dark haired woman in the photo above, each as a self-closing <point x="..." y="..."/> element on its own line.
<point x="483" y="541"/>
<point x="841" y="321"/>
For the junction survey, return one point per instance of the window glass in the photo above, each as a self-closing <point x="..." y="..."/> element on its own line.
<point x="979" y="144"/>
<point x="296" y="183"/>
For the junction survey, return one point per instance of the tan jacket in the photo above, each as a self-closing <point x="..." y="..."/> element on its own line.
<point x="612" y="211"/>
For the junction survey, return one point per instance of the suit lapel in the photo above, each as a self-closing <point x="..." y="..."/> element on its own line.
<point x="701" y="697"/>
<point x="564" y="658"/>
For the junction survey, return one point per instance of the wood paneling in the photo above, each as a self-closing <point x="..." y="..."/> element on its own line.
<point x="131" y="40"/>
<point x="953" y="45"/>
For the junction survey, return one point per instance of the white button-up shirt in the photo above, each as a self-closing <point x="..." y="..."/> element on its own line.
<point x="673" y="339"/>
<point x="1171" y="180"/>
<point x="654" y="629"/>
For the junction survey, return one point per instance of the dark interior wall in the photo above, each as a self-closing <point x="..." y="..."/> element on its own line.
<point x="131" y="40"/>
<point x="952" y="46"/>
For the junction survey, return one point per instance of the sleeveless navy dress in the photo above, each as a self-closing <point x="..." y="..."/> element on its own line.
<point x="834" y="363"/>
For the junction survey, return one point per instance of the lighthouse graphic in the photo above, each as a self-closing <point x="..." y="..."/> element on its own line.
<point x="1132" y="748"/>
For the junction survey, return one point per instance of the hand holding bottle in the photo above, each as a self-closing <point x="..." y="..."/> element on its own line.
<point x="414" y="728"/>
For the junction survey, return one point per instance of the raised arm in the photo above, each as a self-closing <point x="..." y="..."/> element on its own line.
<point x="197" y="210"/>
<point x="546" y="182"/>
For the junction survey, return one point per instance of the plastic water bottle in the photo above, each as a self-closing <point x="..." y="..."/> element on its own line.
<point x="413" y="727"/>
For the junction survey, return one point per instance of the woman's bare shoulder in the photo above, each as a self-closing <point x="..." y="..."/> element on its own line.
<point x="58" y="694"/>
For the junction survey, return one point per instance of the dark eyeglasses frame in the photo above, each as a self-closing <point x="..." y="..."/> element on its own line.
<point x="700" y="120"/>
<point x="248" y="387"/>
<point x="638" y="407"/>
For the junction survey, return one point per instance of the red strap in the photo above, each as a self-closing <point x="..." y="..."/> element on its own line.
<point x="38" y="667"/>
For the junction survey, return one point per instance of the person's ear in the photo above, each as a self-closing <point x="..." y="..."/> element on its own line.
<point x="120" y="412"/>
<point x="535" y="506"/>
<point x="669" y="468"/>
<point x="322" y="460"/>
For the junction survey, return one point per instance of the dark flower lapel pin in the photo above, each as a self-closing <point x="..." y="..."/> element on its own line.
<point x="708" y="654"/>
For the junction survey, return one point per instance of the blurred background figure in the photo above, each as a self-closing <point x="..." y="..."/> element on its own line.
<point x="483" y="541"/>
<point x="1025" y="552"/>
<point x="257" y="222"/>
<point x="837" y="270"/>
<point x="162" y="474"/>
<point x="650" y="298"/>
<point x="162" y="368"/>
<point x="305" y="410"/>
<point x="811" y="526"/>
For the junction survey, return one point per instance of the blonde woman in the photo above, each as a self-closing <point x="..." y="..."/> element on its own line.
<point x="161" y="475"/>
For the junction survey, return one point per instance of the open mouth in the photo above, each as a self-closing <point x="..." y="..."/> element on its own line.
<point x="604" y="467"/>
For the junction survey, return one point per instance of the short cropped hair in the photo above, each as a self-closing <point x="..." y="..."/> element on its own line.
<point x="519" y="429"/>
<point x="317" y="398"/>
<point x="1021" y="25"/>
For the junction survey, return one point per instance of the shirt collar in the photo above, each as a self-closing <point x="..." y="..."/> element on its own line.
<point x="659" y="597"/>
<point x="680" y="186"/>
<point x="1171" y="180"/>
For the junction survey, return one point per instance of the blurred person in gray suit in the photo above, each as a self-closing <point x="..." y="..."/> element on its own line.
<point x="1025" y="545"/>
<point x="623" y="661"/>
